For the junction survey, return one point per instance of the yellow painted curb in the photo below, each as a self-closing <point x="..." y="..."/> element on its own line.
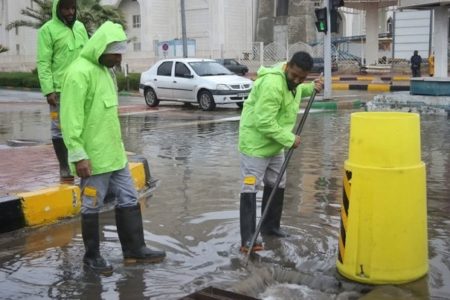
<point x="365" y="78"/>
<point x="401" y="78"/>
<point x="50" y="204"/>
<point x="47" y="205"/>
<point x="378" y="87"/>
<point x="340" y="86"/>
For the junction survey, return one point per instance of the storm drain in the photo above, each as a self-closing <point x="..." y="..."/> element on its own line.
<point x="212" y="293"/>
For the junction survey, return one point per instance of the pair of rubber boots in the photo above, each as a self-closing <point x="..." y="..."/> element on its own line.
<point x="271" y="223"/>
<point x="131" y="236"/>
<point x="61" y="154"/>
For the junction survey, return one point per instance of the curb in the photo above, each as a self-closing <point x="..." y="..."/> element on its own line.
<point x="370" y="78"/>
<point x="336" y="105"/>
<point x="48" y="205"/>
<point x="370" y="87"/>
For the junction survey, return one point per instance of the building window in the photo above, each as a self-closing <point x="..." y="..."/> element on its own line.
<point x="17" y="30"/>
<point x="136" y="46"/>
<point x="389" y="25"/>
<point x="136" y="21"/>
<point x="31" y="4"/>
<point x="17" y="49"/>
<point x="282" y="8"/>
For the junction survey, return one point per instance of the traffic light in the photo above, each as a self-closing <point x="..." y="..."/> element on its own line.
<point x="335" y="4"/>
<point x="335" y="18"/>
<point x="321" y="15"/>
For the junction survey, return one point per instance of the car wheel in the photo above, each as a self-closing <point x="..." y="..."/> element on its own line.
<point x="150" y="97"/>
<point x="240" y="104"/>
<point x="206" y="100"/>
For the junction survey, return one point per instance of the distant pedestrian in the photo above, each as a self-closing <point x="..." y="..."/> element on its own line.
<point x="91" y="131"/>
<point x="60" y="41"/>
<point x="265" y="130"/>
<point x="431" y="65"/>
<point x="416" y="61"/>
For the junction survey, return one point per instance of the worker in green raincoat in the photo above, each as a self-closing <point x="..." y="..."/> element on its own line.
<point x="265" y="130"/>
<point x="60" y="41"/>
<point x="91" y="131"/>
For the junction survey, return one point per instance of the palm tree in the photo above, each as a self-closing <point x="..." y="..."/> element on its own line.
<point x="38" y="16"/>
<point x="90" y="12"/>
<point x="3" y="49"/>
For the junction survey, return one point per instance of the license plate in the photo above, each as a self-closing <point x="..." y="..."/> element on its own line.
<point x="242" y="95"/>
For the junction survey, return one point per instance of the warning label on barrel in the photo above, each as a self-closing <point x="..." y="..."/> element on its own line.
<point x="344" y="214"/>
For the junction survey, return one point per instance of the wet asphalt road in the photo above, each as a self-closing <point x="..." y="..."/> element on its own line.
<point x="193" y="214"/>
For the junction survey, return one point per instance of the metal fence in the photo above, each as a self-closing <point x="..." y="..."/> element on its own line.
<point x="343" y="54"/>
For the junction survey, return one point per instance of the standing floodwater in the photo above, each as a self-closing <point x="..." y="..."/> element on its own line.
<point x="193" y="215"/>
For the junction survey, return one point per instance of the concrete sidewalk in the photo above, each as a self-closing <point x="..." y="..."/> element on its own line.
<point x="31" y="194"/>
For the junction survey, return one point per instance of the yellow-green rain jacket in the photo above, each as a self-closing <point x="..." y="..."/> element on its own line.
<point x="89" y="106"/>
<point x="270" y="113"/>
<point x="58" y="46"/>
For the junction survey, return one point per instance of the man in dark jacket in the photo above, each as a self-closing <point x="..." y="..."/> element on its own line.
<point x="416" y="60"/>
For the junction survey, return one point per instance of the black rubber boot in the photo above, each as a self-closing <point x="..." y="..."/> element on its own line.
<point x="247" y="218"/>
<point x="131" y="235"/>
<point x="91" y="239"/>
<point x="61" y="154"/>
<point x="271" y="224"/>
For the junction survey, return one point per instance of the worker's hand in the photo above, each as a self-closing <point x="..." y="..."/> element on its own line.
<point x="52" y="99"/>
<point x="83" y="168"/>
<point x="296" y="142"/>
<point x="318" y="84"/>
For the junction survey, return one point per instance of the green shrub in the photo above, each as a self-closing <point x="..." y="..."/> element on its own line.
<point x="19" y="79"/>
<point x="133" y="79"/>
<point x="31" y="80"/>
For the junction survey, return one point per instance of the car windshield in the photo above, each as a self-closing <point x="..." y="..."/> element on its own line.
<point x="209" y="68"/>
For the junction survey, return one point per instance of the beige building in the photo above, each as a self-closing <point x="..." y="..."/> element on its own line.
<point x="215" y="27"/>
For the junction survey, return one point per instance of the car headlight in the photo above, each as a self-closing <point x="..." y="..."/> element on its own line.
<point x="222" y="87"/>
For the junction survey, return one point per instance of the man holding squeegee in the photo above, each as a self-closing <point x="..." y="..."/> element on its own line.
<point x="266" y="125"/>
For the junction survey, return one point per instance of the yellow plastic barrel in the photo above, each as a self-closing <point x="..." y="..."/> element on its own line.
<point x="383" y="235"/>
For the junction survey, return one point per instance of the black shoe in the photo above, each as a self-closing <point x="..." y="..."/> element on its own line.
<point x="131" y="236"/>
<point x="91" y="239"/>
<point x="247" y="218"/>
<point x="271" y="224"/>
<point x="61" y="153"/>
<point x="98" y="264"/>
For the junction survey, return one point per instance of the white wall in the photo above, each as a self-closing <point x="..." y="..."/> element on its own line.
<point x="412" y="32"/>
<point x="21" y="43"/>
<point x="220" y="27"/>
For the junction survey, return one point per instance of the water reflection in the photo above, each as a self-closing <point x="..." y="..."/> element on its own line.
<point x="193" y="215"/>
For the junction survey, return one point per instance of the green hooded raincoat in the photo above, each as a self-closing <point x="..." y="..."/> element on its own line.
<point x="270" y="113"/>
<point x="89" y="106"/>
<point x="58" y="46"/>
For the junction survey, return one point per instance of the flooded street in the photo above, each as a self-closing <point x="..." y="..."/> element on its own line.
<point x="194" y="216"/>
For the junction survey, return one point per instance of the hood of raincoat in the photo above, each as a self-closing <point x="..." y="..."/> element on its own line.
<point x="106" y="34"/>
<point x="277" y="69"/>
<point x="56" y="16"/>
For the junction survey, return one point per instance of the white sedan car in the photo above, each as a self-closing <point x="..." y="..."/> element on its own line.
<point x="193" y="80"/>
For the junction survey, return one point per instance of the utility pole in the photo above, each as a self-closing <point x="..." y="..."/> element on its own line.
<point x="327" y="55"/>
<point x="183" y="28"/>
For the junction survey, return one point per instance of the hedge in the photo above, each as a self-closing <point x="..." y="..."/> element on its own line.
<point x="30" y="80"/>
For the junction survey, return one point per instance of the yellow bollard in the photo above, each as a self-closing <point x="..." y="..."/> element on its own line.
<point x="383" y="236"/>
